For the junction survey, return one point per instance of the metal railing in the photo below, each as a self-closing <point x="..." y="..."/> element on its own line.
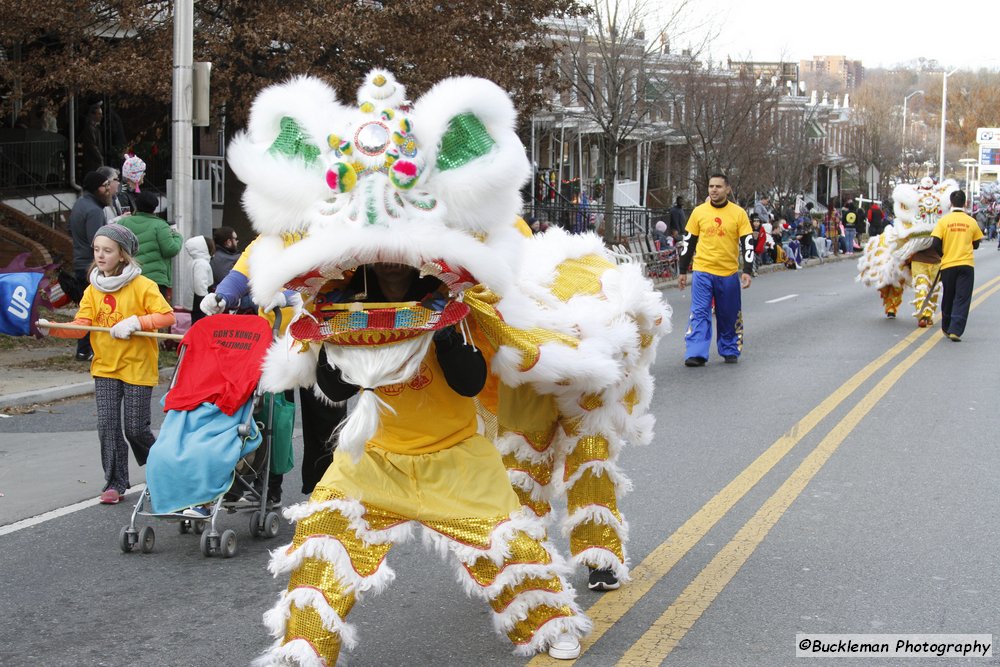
<point x="27" y="165"/>
<point x="211" y="168"/>
<point x="629" y="221"/>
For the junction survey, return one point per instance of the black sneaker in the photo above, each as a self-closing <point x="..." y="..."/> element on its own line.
<point x="732" y="359"/>
<point x="695" y="361"/>
<point x="82" y="356"/>
<point x="891" y="315"/>
<point x="602" y="580"/>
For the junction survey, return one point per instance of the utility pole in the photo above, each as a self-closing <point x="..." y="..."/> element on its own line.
<point x="182" y="149"/>
<point x="944" y="112"/>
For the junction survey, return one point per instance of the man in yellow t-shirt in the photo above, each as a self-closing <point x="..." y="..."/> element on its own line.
<point x="720" y="230"/>
<point x="955" y="236"/>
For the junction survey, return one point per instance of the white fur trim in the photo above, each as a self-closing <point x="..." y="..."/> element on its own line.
<point x="296" y="652"/>
<point x="515" y="443"/>
<point x="332" y="551"/>
<point x="579" y="626"/>
<point x="354" y="512"/>
<point x="286" y="366"/>
<point x="276" y="619"/>
<point x="603" y="559"/>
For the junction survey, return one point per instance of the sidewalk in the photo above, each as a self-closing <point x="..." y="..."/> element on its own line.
<point x="39" y="375"/>
<point x="33" y="376"/>
<point x="28" y="376"/>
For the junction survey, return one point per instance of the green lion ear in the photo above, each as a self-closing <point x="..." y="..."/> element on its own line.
<point x="291" y="141"/>
<point x="465" y="140"/>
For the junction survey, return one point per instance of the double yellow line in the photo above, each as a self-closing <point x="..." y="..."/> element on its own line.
<point x="668" y="630"/>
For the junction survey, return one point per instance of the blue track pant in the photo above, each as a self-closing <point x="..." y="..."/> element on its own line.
<point x="728" y="315"/>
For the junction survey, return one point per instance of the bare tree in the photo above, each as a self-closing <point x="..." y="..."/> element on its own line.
<point x="795" y="151"/>
<point x="608" y="63"/>
<point x="875" y="137"/>
<point x="729" y="121"/>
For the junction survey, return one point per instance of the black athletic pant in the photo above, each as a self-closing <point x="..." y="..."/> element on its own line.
<point x="319" y="420"/>
<point x="956" y="297"/>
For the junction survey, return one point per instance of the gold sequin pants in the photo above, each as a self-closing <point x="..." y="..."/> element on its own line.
<point x="892" y="296"/>
<point x="552" y="446"/>
<point x="923" y="277"/>
<point x="340" y="550"/>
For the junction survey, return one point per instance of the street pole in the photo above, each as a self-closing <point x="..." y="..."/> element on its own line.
<point x="906" y="170"/>
<point x="182" y="148"/>
<point x="944" y="111"/>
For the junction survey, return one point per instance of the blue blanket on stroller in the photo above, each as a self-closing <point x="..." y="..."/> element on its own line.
<point x="194" y="458"/>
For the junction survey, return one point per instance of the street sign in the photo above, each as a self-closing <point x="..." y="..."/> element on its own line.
<point x="986" y="135"/>
<point x="871" y="175"/>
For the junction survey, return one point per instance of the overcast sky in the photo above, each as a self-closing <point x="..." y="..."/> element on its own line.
<point x="880" y="33"/>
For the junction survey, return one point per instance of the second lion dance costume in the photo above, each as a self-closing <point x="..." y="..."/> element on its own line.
<point x="902" y="253"/>
<point x="337" y="193"/>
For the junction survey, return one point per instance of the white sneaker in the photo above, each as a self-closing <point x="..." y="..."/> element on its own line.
<point x="565" y="647"/>
<point x="197" y="512"/>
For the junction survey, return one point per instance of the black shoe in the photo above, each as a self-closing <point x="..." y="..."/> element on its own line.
<point x="732" y="359"/>
<point x="891" y="315"/>
<point x="602" y="580"/>
<point x="695" y="361"/>
<point x="83" y="356"/>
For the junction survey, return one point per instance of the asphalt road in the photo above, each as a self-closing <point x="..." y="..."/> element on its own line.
<point x="842" y="478"/>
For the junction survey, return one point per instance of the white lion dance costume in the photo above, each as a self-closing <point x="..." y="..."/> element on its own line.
<point x="902" y="253"/>
<point x="334" y="189"/>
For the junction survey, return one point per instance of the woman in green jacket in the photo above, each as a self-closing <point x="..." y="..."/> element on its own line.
<point x="158" y="241"/>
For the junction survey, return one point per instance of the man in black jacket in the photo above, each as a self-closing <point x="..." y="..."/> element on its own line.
<point x="85" y="219"/>
<point x="678" y="218"/>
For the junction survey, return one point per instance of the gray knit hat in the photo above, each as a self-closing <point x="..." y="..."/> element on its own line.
<point x="121" y="235"/>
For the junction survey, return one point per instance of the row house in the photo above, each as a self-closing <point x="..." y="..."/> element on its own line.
<point x="657" y="162"/>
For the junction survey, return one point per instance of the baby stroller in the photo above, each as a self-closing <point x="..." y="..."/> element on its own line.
<point x="210" y="443"/>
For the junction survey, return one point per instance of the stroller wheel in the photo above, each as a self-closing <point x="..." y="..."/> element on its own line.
<point x="147" y="539"/>
<point x="206" y="543"/>
<point x="255" y="529"/>
<point x="227" y="544"/>
<point x="198" y="527"/>
<point x="124" y="539"/>
<point x="271" y="524"/>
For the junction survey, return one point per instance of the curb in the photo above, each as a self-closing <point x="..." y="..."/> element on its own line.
<point x="47" y="395"/>
<point x="50" y="394"/>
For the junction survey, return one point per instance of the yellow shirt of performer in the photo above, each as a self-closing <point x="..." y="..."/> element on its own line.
<point x="957" y="231"/>
<point x="718" y="230"/>
<point x="133" y="360"/>
<point x="450" y="418"/>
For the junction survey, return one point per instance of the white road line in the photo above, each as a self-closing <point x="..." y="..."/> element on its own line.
<point x="784" y="298"/>
<point x="55" y="514"/>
